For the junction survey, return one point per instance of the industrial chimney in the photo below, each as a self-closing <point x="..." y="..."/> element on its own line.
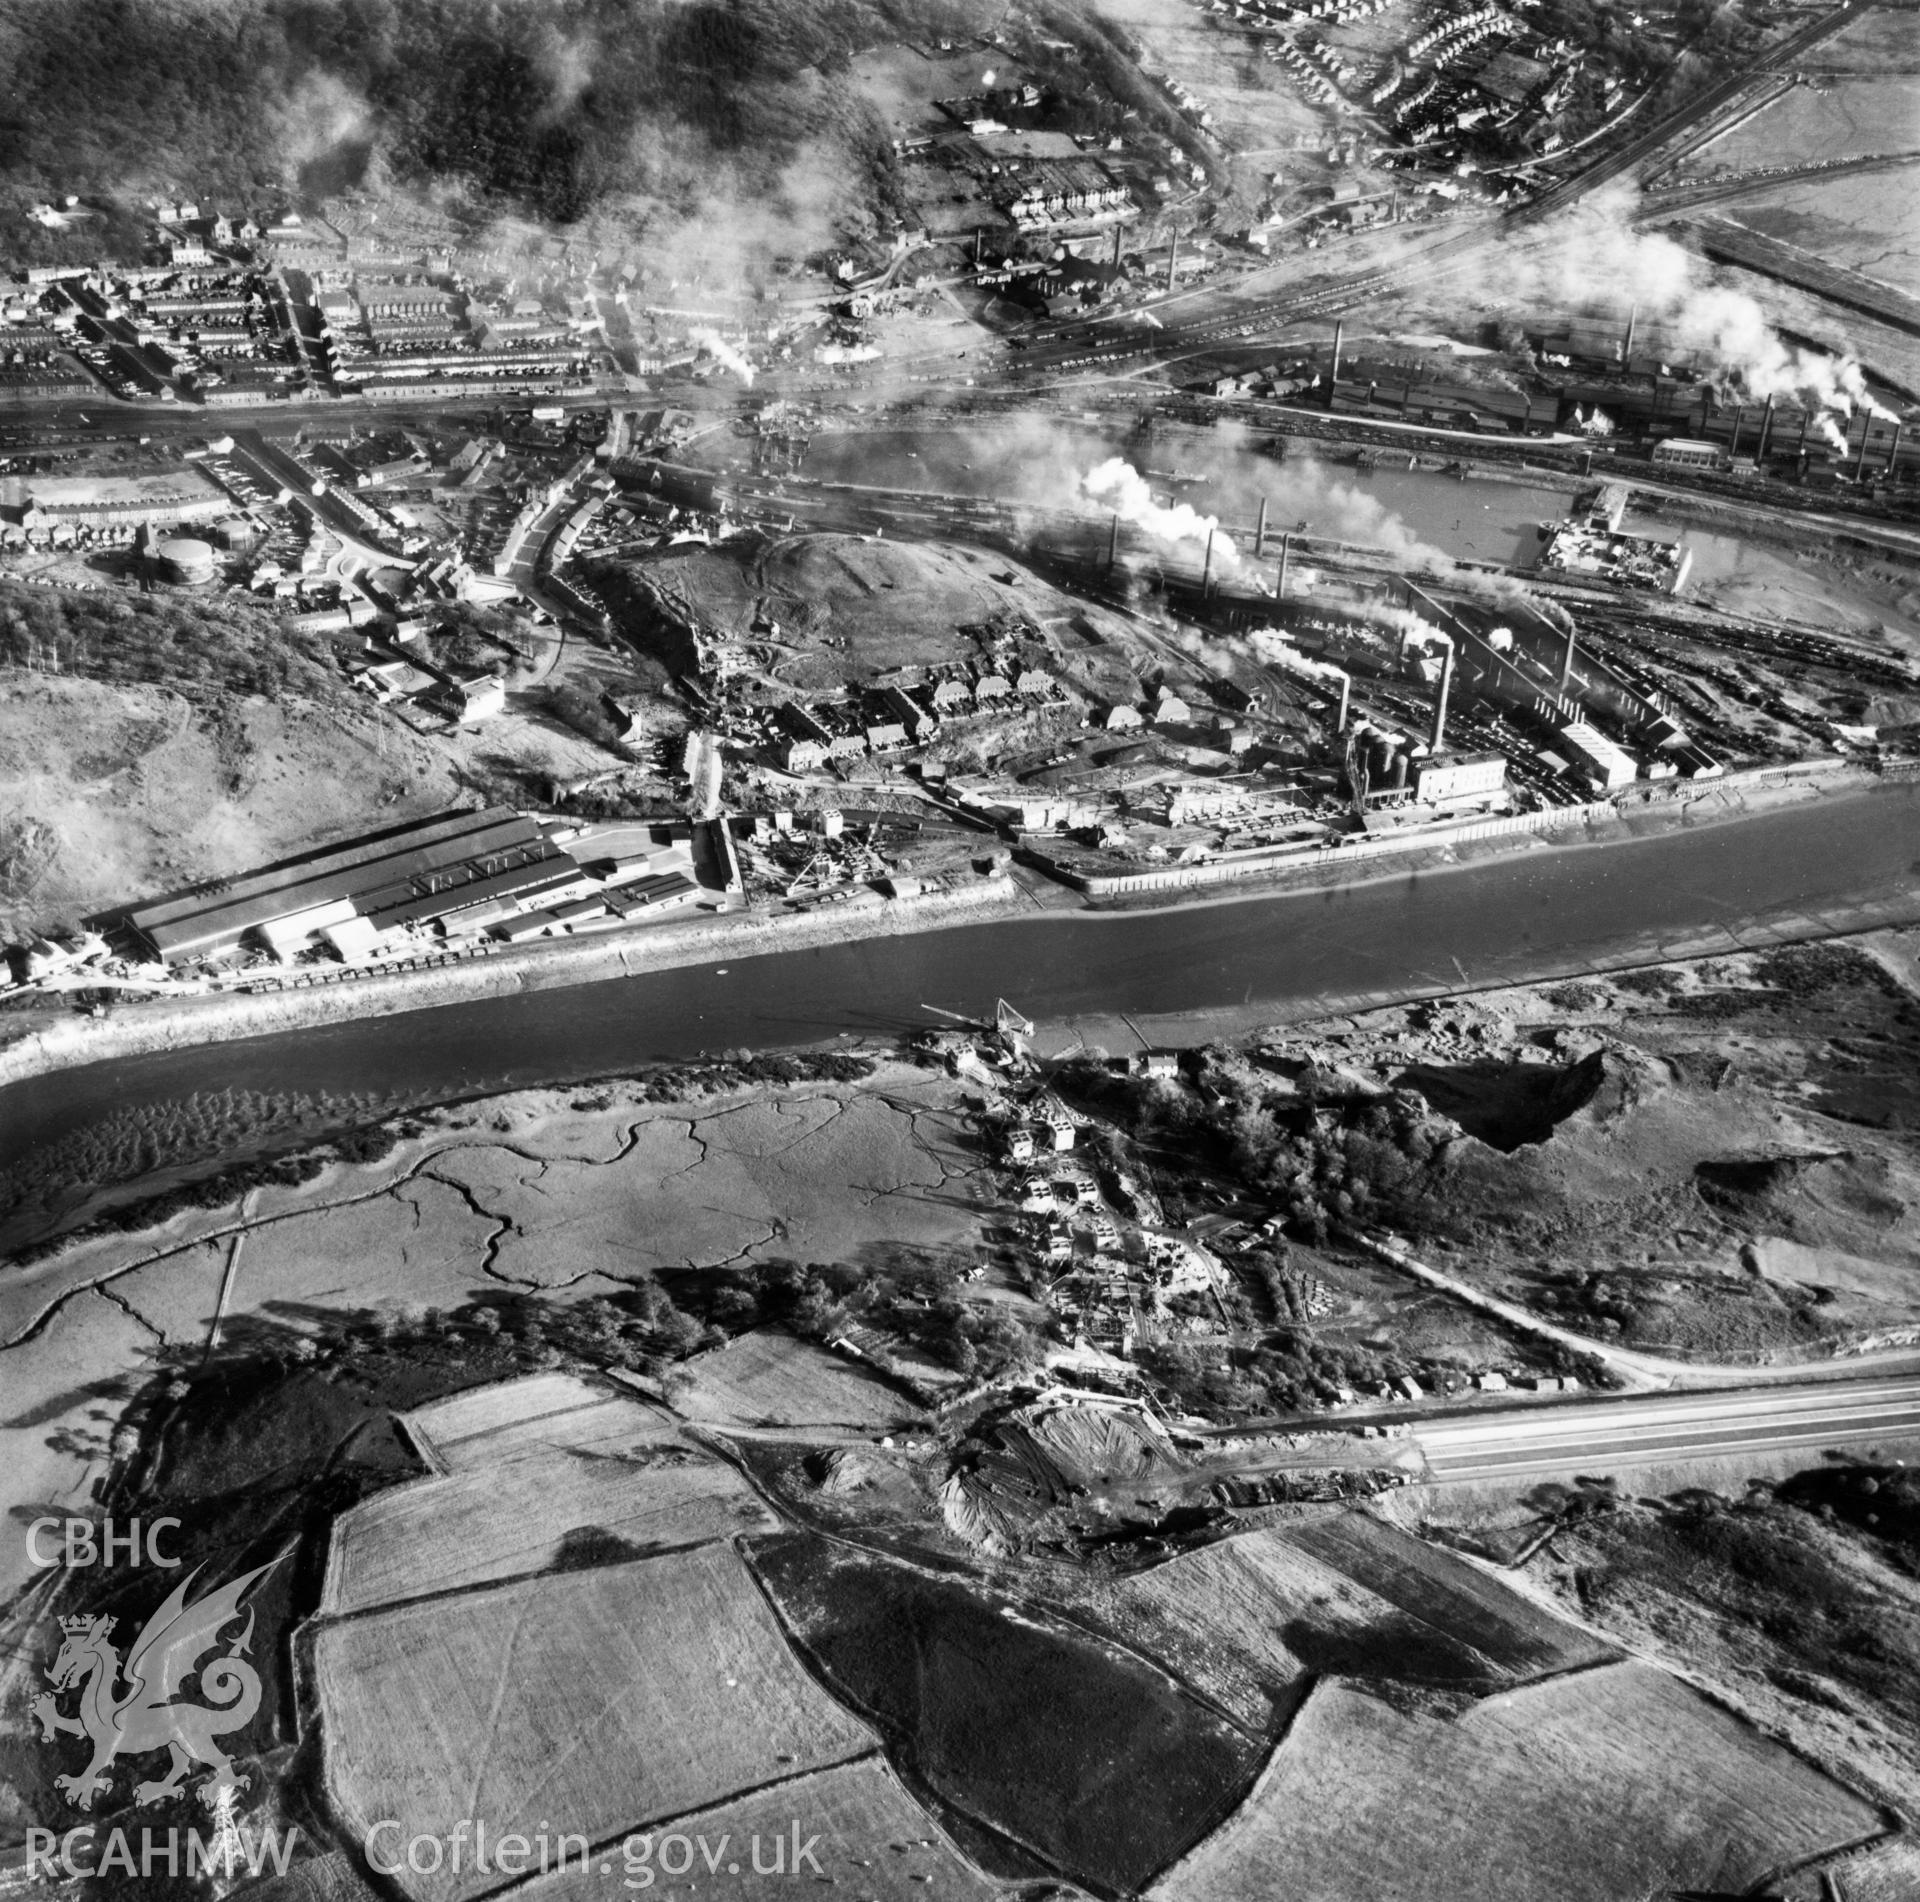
<point x="1437" y="739"/>
<point x="1333" y="375"/>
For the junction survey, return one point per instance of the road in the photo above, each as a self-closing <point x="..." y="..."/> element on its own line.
<point x="1600" y="1436"/>
<point x="1217" y="316"/>
<point x="1778" y="58"/>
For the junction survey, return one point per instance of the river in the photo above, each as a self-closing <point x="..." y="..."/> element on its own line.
<point x="1789" y="872"/>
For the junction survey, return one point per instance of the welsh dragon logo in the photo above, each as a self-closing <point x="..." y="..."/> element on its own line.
<point x="140" y="1716"/>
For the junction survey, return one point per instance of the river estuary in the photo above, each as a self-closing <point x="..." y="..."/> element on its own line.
<point x="1787" y="873"/>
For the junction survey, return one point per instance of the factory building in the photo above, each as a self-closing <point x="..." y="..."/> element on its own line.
<point x="463" y="871"/>
<point x="1450" y="778"/>
<point x="1678" y="452"/>
<point x="1595" y="757"/>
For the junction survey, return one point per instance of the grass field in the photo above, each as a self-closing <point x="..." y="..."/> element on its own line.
<point x="606" y="1428"/>
<point x="1888" y="1874"/>
<point x="1089" y="1758"/>
<point x="1848" y="118"/>
<point x="590" y="1702"/>
<point x="467" y="1430"/>
<point x="1447" y="1593"/>
<point x="1618" y="1782"/>
<point x="866" y="1835"/>
<point x="1867" y="222"/>
<point x="1247" y="1620"/>
<point x="571" y="1504"/>
<point x="770" y="1378"/>
<point x="1880" y="41"/>
<point x="1811" y="1621"/>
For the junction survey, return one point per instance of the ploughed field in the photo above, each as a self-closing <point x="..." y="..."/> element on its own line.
<point x="1615" y="1782"/>
<point x="1091" y="1758"/>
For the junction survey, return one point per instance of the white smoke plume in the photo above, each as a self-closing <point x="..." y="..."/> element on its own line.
<point x="1416" y="631"/>
<point x="1597" y="249"/>
<point x="717" y="347"/>
<point x="1118" y="485"/>
<point x="319" y="115"/>
<point x="1731" y="328"/>
<point x="1263" y="644"/>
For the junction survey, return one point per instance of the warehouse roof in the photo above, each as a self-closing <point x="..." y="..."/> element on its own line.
<point x="185" y="484"/>
<point x="430" y="859"/>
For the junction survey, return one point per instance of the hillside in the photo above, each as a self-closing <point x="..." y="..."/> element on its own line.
<point x="649" y="109"/>
<point x="145" y="744"/>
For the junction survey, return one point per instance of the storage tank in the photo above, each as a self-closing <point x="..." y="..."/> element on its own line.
<point x="184" y="561"/>
<point x="235" y="532"/>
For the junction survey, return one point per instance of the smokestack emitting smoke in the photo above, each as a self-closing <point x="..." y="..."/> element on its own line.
<point x="1122" y="487"/>
<point x="1281" y="653"/>
<point x="718" y="348"/>
<point x="1766" y="430"/>
<point x="1599" y="246"/>
<point x="1260" y="532"/>
<point x="1439" y="735"/>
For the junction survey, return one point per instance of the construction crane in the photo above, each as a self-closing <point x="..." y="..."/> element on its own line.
<point x="1006" y="1018"/>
